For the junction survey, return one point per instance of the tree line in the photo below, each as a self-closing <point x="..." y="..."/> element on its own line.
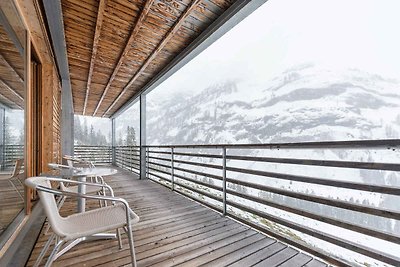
<point x="85" y="134"/>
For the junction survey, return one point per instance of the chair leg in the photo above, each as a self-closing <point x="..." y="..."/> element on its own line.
<point x="53" y="253"/>
<point x="100" y="201"/>
<point x="44" y="250"/>
<point x="61" y="201"/>
<point x="47" y="227"/>
<point x="119" y="238"/>
<point x="16" y="189"/>
<point x="131" y="245"/>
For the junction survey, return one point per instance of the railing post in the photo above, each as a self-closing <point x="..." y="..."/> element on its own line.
<point x="142" y="174"/>
<point x="113" y="142"/>
<point x="172" y="169"/>
<point x="147" y="162"/>
<point x="130" y="157"/>
<point x="224" y="181"/>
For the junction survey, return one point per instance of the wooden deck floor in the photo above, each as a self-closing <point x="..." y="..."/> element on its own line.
<point x="176" y="231"/>
<point x="10" y="202"/>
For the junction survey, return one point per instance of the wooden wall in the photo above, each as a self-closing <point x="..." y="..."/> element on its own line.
<point x="47" y="93"/>
<point x="56" y="121"/>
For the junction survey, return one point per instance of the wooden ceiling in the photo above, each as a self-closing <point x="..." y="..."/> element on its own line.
<point x="11" y="73"/>
<point x="115" y="47"/>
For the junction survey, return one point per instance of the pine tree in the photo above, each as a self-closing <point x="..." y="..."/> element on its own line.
<point x="92" y="136"/>
<point x="9" y="138"/>
<point x="78" y="132"/>
<point x="130" y="136"/>
<point x="85" y="132"/>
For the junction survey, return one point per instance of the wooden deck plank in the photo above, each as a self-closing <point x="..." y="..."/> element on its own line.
<point x="315" y="263"/>
<point x="230" y="252"/>
<point x="10" y="201"/>
<point x="298" y="260"/>
<point x="260" y="255"/>
<point x="175" y="231"/>
<point x="236" y="255"/>
<point x="278" y="258"/>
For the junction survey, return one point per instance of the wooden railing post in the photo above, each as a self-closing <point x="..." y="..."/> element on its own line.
<point x="224" y="181"/>
<point x="172" y="169"/>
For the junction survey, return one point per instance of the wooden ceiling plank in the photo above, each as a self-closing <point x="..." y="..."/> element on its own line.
<point x="5" y="62"/>
<point x="2" y="82"/>
<point x="9" y="100"/>
<point x="99" y="23"/>
<point x="160" y="46"/>
<point x="128" y="45"/>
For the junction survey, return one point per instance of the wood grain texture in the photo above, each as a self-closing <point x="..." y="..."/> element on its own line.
<point x="108" y="66"/>
<point x="99" y="23"/>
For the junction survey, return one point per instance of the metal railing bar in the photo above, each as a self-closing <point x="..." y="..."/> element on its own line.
<point x="190" y="179"/>
<point x="391" y="190"/>
<point x="215" y="187"/>
<point x="323" y="163"/>
<point x="165" y="172"/>
<point x="159" y="152"/>
<point x="157" y="158"/>
<point x="326" y="219"/>
<point x="356" y="144"/>
<point x="392" y="214"/>
<point x="211" y="166"/>
<point x="191" y="188"/>
<point x="189" y="171"/>
<point x="214" y="156"/>
<point x="160" y="177"/>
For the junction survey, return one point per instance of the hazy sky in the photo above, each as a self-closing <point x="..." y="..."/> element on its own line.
<point x="334" y="34"/>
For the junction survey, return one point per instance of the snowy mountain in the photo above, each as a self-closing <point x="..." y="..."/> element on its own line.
<point x="302" y="104"/>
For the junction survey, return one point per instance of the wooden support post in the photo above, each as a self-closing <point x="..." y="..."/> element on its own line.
<point x="29" y="122"/>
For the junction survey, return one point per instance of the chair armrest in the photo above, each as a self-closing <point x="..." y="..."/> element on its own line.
<point x="78" y="195"/>
<point x="61" y="180"/>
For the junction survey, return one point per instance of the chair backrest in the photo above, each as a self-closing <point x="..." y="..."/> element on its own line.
<point x="70" y="163"/>
<point x="48" y="202"/>
<point x="17" y="167"/>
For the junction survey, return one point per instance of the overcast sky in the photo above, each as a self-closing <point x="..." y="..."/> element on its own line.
<point x="334" y="34"/>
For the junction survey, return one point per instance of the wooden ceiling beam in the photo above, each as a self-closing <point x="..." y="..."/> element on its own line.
<point x="99" y="23"/>
<point x="5" y="62"/>
<point x="158" y="49"/>
<point x="2" y="82"/>
<point x="9" y="100"/>
<point x="128" y="46"/>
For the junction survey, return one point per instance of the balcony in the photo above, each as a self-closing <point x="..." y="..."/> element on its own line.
<point x="250" y="202"/>
<point x="204" y="174"/>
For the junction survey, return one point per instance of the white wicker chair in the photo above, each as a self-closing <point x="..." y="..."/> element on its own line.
<point x="15" y="179"/>
<point x="81" y="225"/>
<point x="71" y="159"/>
<point x="74" y="188"/>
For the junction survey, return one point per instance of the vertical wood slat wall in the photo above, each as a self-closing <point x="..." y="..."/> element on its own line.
<point x="56" y="121"/>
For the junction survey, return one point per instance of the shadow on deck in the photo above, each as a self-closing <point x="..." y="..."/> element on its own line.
<point x="174" y="230"/>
